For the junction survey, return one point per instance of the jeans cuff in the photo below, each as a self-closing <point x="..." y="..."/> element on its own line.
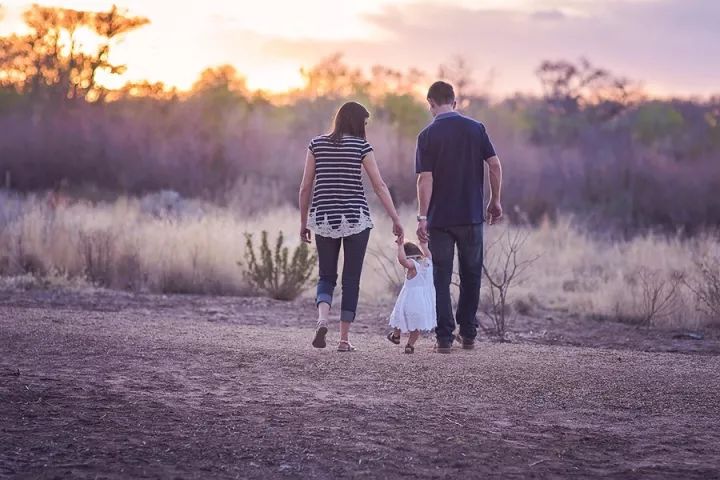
<point x="347" y="316"/>
<point x="323" y="298"/>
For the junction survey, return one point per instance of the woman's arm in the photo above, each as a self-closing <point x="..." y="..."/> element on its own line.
<point x="382" y="191"/>
<point x="304" y="196"/>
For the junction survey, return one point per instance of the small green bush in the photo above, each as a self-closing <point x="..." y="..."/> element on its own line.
<point x="272" y="274"/>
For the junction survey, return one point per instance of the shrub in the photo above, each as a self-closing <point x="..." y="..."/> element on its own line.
<point x="128" y="273"/>
<point x="98" y="254"/>
<point x="503" y="268"/>
<point x="657" y="296"/>
<point x="271" y="272"/>
<point x="388" y="269"/>
<point x="707" y="286"/>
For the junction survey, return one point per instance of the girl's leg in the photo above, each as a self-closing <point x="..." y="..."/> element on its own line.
<point x="354" y="248"/>
<point x="397" y="332"/>
<point x="414" y="335"/>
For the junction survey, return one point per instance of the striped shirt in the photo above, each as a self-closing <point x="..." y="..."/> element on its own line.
<point x="339" y="207"/>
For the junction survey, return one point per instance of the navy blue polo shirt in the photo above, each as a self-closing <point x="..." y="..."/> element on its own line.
<point x="454" y="148"/>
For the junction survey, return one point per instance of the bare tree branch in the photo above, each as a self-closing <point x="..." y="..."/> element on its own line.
<point x="502" y="268"/>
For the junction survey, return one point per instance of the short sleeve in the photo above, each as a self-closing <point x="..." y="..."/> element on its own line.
<point x="424" y="161"/>
<point x="486" y="147"/>
<point x="311" y="146"/>
<point x="366" y="148"/>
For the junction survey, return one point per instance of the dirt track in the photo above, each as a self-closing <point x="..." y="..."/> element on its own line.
<point x="177" y="388"/>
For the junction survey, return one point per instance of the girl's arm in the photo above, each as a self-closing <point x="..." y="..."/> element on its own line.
<point x="382" y="191"/>
<point x="426" y="250"/>
<point x="304" y="196"/>
<point x="401" y="256"/>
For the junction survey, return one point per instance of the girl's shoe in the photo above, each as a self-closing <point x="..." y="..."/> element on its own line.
<point x="393" y="338"/>
<point x="320" y="332"/>
<point x="409" y="349"/>
<point x="346" y="346"/>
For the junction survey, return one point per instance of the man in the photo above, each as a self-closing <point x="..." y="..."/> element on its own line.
<point x="450" y="158"/>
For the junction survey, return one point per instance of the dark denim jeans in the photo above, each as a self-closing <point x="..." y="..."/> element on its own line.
<point x="469" y="241"/>
<point x="328" y="249"/>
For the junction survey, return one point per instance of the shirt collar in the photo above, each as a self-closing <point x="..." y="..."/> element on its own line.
<point x="446" y="115"/>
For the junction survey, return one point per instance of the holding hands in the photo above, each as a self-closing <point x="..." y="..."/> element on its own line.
<point x="422" y="230"/>
<point x="398" y="231"/>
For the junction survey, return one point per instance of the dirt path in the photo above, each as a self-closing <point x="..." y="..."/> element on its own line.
<point x="149" y="390"/>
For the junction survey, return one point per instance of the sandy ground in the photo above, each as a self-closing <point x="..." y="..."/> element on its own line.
<point x="116" y="386"/>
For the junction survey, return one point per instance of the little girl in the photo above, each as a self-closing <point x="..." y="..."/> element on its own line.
<point x="415" y="307"/>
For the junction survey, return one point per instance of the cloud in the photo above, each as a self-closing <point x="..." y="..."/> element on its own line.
<point x="550" y="15"/>
<point x="671" y="46"/>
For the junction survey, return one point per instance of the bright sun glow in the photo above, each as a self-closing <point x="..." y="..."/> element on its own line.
<point x="180" y="42"/>
<point x="276" y="81"/>
<point x="268" y="41"/>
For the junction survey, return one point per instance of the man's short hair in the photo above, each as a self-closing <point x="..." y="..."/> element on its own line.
<point x="441" y="93"/>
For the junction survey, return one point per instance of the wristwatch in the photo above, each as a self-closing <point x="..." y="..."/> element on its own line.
<point x="421" y="218"/>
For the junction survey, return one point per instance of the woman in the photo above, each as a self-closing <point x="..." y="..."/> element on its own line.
<point x="339" y="213"/>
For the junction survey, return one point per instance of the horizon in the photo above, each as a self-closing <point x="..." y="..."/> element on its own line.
<point x="270" y="51"/>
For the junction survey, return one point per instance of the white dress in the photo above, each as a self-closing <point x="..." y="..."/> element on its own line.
<point x="415" y="306"/>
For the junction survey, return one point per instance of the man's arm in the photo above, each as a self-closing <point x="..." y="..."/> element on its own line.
<point x="424" y="193"/>
<point x="494" y="208"/>
<point x="426" y="250"/>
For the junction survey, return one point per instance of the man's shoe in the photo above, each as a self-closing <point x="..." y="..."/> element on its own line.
<point x="467" y="343"/>
<point x="443" y="347"/>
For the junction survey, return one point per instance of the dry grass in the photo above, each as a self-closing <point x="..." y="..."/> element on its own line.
<point x="194" y="247"/>
<point x="126" y="244"/>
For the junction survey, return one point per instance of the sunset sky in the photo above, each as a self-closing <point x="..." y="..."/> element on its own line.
<point x="671" y="46"/>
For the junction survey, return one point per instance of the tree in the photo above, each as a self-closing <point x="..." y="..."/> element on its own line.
<point x="56" y="60"/>
<point x="224" y="78"/>
<point x="384" y="80"/>
<point x="655" y="121"/>
<point x="145" y="90"/>
<point x="459" y="74"/>
<point x="333" y="78"/>
<point x="570" y="88"/>
<point x="220" y="88"/>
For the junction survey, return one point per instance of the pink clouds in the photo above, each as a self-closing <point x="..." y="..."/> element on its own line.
<point x="671" y="46"/>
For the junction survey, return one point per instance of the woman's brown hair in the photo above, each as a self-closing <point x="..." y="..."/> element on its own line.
<point x="350" y="120"/>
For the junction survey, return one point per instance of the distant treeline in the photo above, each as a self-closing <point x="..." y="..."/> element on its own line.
<point x="592" y="145"/>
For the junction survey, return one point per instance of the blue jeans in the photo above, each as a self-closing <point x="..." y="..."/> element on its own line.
<point x="328" y="249"/>
<point x="469" y="241"/>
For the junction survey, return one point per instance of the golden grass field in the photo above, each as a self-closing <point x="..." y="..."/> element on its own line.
<point x="169" y="245"/>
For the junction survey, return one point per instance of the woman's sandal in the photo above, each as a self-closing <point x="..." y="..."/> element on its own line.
<point x="409" y="349"/>
<point x="346" y="346"/>
<point x="393" y="338"/>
